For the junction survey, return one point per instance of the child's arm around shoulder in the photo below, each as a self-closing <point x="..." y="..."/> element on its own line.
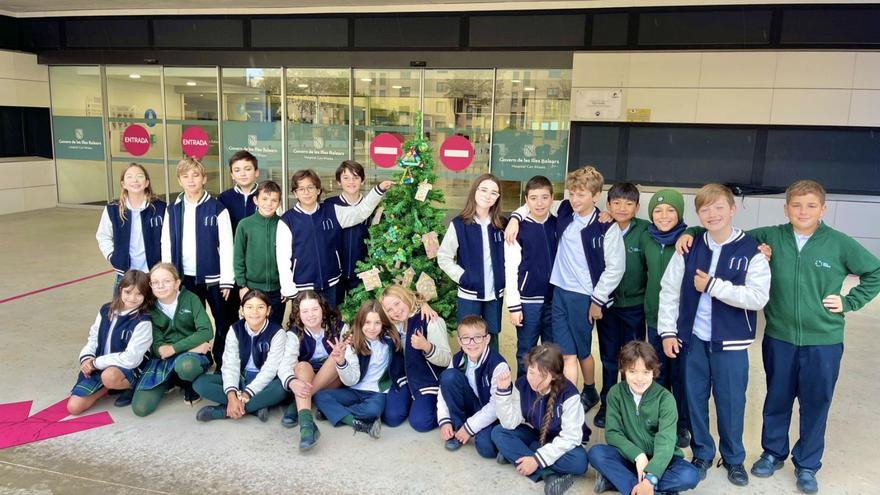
<point x="440" y="354"/>
<point x="615" y="265"/>
<point x="507" y="402"/>
<point x="350" y="370"/>
<point x="512" y="260"/>
<point x="350" y="216"/>
<point x="753" y="295"/>
<point x="670" y="296"/>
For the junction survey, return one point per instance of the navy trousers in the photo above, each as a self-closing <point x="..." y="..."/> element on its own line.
<point x="211" y="294"/>
<point x="726" y="375"/>
<point x="672" y="376"/>
<point x="679" y="476"/>
<point x="421" y="409"/>
<point x="338" y="403"/>
<point x="537" y="323"/>
<point x="490" y="311"/>
<point x="617" y="327"/>
<point x="523" y="442"/>
<point x="808" y="373"/>
<point x="463" y="403"/>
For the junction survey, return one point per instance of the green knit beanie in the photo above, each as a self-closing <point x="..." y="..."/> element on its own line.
<point x="669" y="197"/>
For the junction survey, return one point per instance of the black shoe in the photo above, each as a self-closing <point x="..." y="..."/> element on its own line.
<point x="308" y="437"/>
<point x="736" y="473"/>
<point x="500" y="459"/>
<point x="589" y="397"/>
<point x="766" y="465"/>
<point x="806" y="480"/>
<point x="683" y="438"/>
<point x="263" y="414"/>
<point x="702" y="466"/>
<point x="599" y="420"/>
<point x="124" y="398"/>
<point x="210" y="413"/>
<point x="291" y="417"/>
<point x="602" y="484"/>
<point x="452" y="444"/>
<point x="371" y="428"/>
<point x="319" y="416"/>
<point x="557" y="484"/>
<point x="190" y="396"/>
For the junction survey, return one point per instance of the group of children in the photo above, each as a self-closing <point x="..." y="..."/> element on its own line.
<point x="562" y="266"/>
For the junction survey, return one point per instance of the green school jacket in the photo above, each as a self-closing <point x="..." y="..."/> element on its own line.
<point x="650" y="429"/>
<point x="189" y="327"/>
<point x="657" y="258"/>
<point x="631" y="290"/>
<point x="253" y="256"/>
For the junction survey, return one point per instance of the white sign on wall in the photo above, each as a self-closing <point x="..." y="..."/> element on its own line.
<point x="598" y="104"/>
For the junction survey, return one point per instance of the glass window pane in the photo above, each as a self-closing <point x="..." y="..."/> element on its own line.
<point x="252" y="117"/>
<point x="318" y="123"/>
<point x="458" y="103"/>
<point x="79" y="134"/>
<point x="134" y="100"/>
<point x="384" y="101"/>
<point x="532" y="117"/>
<point x="191" y="107"/>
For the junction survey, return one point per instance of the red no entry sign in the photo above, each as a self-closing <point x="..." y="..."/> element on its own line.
<point x="456" y="153"/>
<point x="136" y="140"/>
<point x="385" y="149"/>
<point x="194" y="142"/>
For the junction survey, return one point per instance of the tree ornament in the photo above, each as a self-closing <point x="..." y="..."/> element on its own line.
<point x="371" y="278"/>
<point x="405" y="278"/>
<point x="426" y="287"/>
<point x="423" y="147"/>
<point x="424" y="188"/>
<point x="431" y="243"/>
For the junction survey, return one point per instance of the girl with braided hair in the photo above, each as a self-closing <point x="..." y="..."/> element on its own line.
<point x="544" y="397"/>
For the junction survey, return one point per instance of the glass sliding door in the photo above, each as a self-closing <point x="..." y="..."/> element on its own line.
<point x="458" y="102"/>
<point x="318" y="123"/>
<point x="78" y="131"/>
<point x="134" y="106"/>
<point x="191" y="122"/>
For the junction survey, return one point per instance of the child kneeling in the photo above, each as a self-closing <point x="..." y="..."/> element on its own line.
<point x="254" y="349"/>
<point x="544" y="397"/>
<point x="641" y="457"/>
<point x="362" y="363"/>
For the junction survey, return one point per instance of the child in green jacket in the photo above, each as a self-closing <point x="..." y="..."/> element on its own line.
<point x="640" y="427"/>
<point x="803" y="339"/>
<point x="253" y="257"/>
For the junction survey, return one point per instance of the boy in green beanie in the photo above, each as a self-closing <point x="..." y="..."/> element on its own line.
<point x="666" y="210"/>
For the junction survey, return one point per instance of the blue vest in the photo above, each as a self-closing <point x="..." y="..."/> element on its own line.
<point x="352" y="245"/>
<point x="483" y="374"/>
<point x="592" y="237"/>
<point x="122" y="331"/>
<point x="539" y="242"/>
<point x="395" y="360"/>
<point x="470" y="257"/>
<point x="422" y="377"/>
<point x="307" y="344"/>
<point x="731" y="326"/>
<point x="151" y="226"/>
<point x="239" y="206"/>
<point x="314" y="257"/>
<point x="258" y="346"/>
<point x="533" y="412"/>
<point x="207" y="238"/>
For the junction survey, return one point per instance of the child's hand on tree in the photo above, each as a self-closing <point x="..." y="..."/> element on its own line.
<point x="386" y="185"/>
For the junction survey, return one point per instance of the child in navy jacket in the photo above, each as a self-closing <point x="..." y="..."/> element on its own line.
<point x="472" y="254"/>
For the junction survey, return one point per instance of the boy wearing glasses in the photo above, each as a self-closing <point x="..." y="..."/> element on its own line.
<point x="466" y="402"/>
<point x="309" y="260"/>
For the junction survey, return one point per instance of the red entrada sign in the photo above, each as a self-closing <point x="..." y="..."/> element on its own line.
<point x="136" y="140"/>
<point x="194" y="142"/>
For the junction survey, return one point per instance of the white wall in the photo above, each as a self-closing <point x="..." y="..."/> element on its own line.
<point x="747" y="87"/>
<point x="25" y="184"/>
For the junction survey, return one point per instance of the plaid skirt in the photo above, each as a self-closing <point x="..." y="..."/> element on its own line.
<point x="87" y="385"/>
<point x="159" y="371"/>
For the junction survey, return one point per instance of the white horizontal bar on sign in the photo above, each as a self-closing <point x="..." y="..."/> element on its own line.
<point x="456" y="153"/>
<point x="385" y="150"/>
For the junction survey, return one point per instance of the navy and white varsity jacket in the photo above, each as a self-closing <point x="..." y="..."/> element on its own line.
<point x="114" y="234"/>
<point x="421" y="370"/>
<point x="738" y="287"/>
<point x="238" y="203"/>
<point x="490" y="365"/>
<point x="266" y="348"/>
<point x="528" y="263"/>
<point x="461" y="258"/>
<point x="213" y="241"/>
<point x="352" y="247"/>
<point x="129" y="339"/>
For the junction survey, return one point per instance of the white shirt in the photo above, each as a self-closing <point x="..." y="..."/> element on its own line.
<point x="703" y="319"/>
<point x="320" y="351"/>
<point x="250" y="366"/>
<point x="380" y="358"/>
<point x="801" y="239"/>
<point x="447" y="254"/>
<point x="136" y="250"/>
<point x="471" y="373"/>
<point x="188" y="249"/>
<point x="570" y="270"/>
<point x="637" y="398"/>
<point x="169" y="309"/>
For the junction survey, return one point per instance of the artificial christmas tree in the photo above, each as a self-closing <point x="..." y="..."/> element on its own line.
<point x="411" y="214"/>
